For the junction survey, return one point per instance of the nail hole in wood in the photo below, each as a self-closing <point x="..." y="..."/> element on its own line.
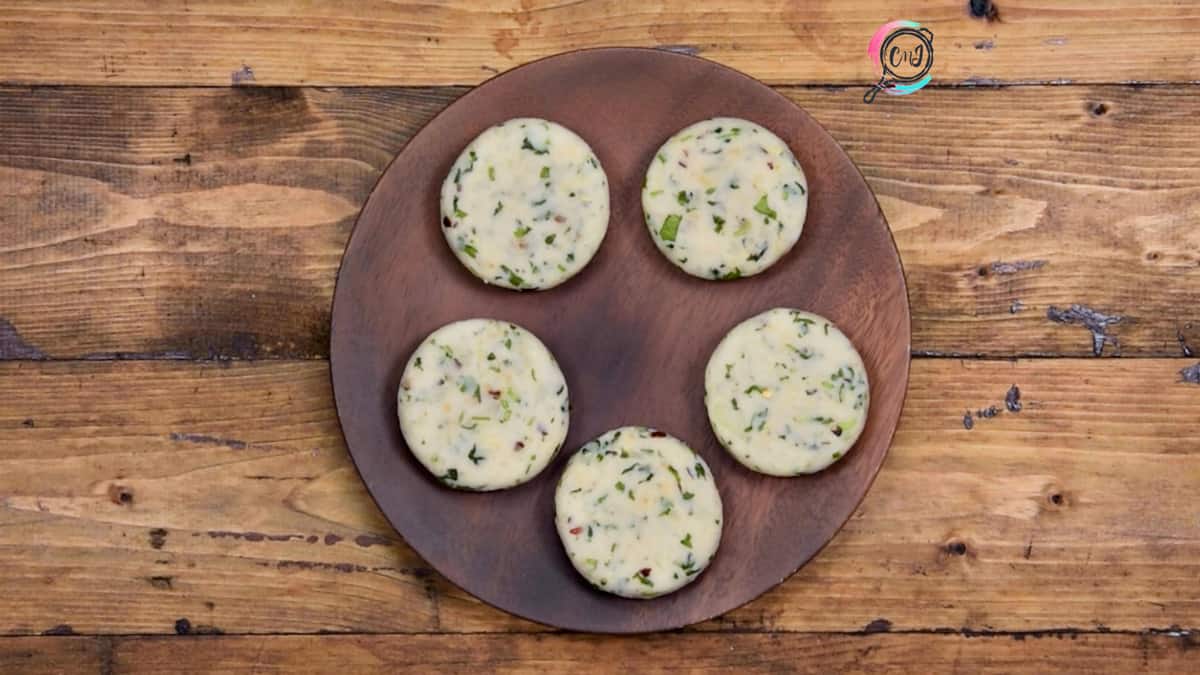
<point x="956" y="548"/>
<point x="1099" y="109"/>
<point x="1056" y="499"/>
<point x="983" y="9"/>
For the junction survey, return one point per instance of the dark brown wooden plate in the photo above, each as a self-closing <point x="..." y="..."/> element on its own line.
<point x="632" y="333"/>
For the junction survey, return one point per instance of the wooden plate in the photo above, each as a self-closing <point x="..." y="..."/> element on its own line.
<point x="632" y="333"/>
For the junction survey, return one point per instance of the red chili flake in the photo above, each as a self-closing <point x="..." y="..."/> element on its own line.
<point x="645" y="571"/>
<point x="520" y="445"/>
<point x="560" y="218"/>
<point x="658" y="434"/>
<point x="446" y="222"/>
<point x="493" y="393"/>
<point x="770" y="166"/>
<point x="575" y="530"/>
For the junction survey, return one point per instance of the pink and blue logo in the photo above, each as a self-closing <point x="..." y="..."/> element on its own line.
<point x="902" y="52"/>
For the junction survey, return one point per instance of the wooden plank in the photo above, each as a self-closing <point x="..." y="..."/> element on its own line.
<point x="803" y="653"/>
<point x="747" y="653"/>
<point x="38" y="655"/>
<point x="454" y="42"/>
<point x="157" y="497"/>
<point x="198" y="223"/>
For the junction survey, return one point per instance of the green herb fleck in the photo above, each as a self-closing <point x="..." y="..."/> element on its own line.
<point x="469" y="250"/>
<point x="475" y="459"/>
<point x="802" y="353"/>
<point x="670" y="227"/>
<point x="687" y="496"/>
<point x="753" y="389"/>
<point x="515" y="280"/>
<point x="684" y="197"/>
<point x="687" y="541"/>
<point x="450" y="475"/>
<point x="719" y="222"/>
<point x="700" y="470"/>
<point x="762" y="208"/>
<point x="550" y="238"/>
<point x="643" y="580"/>
<point x="499" y="207"/>
<point x="491" y="173"/>
<point x="545" y="172"/>
<point x="521" y="231"/>
<point x="675" y="474"/>
<point x="417" y="363"/>
<point x="735" y="273"/>
<point x="526" y="145"/>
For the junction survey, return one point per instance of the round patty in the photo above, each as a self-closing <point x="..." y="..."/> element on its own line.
<point x="525" y="205"/>
<point x="786" y="392"/>
<point x="483" y="404"/>
<point x="724" y="198"/>
<point x="638" y="513"/>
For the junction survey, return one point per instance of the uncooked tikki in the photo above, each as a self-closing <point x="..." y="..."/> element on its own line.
<point x="525" y="206"/>
<point x="786" y="392"/>
<point x="483" y="404"/>
<point x="638" y="512"/>
<point x="724" y="198"/>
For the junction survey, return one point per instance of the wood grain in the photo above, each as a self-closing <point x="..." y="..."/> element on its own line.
<point x="195" y="223"/>
<point x="137" y="495"/>
<point x="455" y="42"/>
<point x="793" y="653"/>
<point x="54" y="655"/>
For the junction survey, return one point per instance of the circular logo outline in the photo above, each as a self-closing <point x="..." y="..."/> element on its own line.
<point x="890" y="81"/>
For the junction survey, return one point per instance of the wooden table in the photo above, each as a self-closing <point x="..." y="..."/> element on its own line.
<point x="178" y="180"/>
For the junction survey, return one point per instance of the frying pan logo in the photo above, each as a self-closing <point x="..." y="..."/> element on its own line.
<point x="903" y="55"/>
